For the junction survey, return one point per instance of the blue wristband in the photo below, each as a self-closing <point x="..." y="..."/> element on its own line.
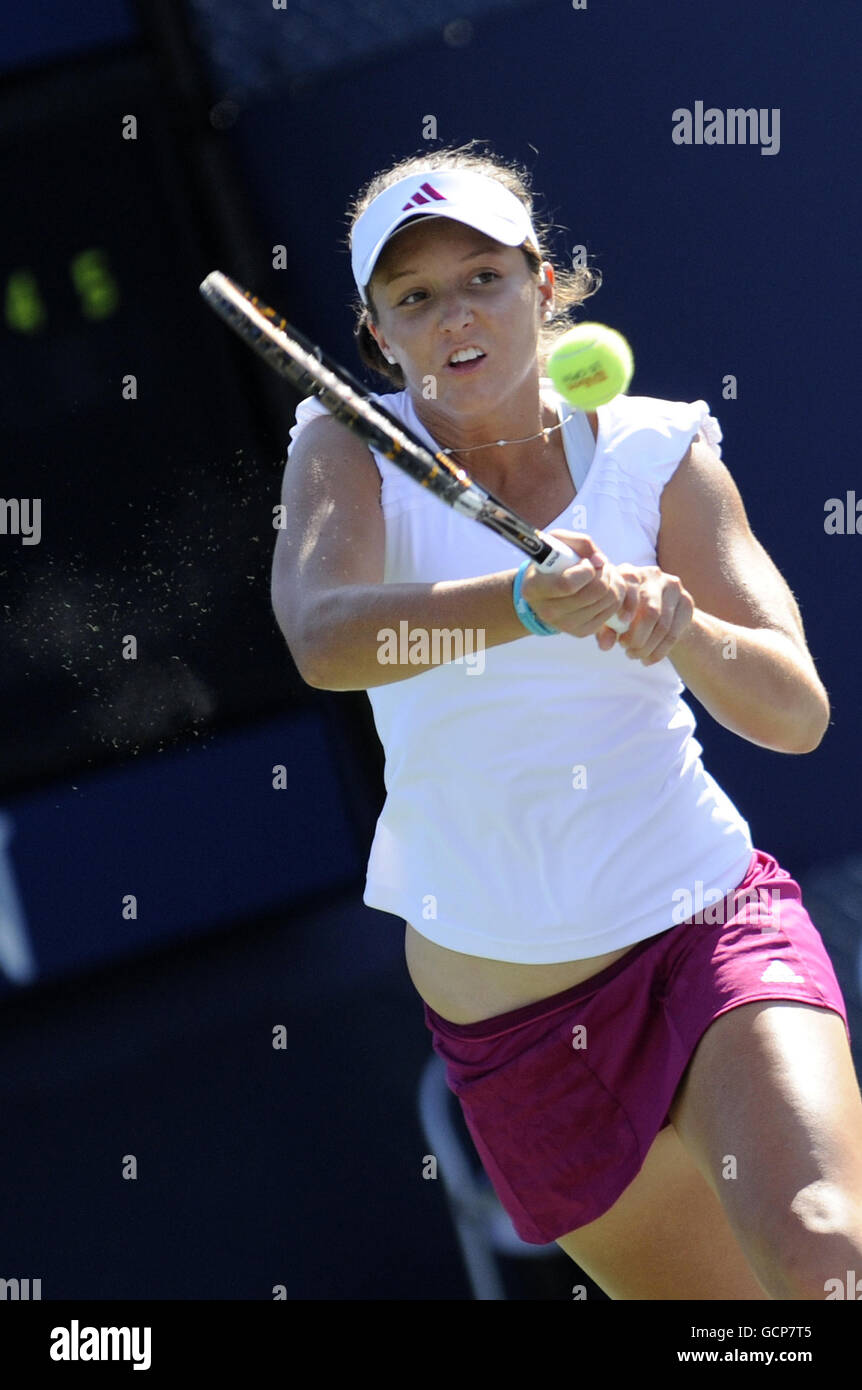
<point x="532" y="622"/>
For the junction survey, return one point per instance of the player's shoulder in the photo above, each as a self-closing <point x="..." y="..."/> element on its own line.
<point x="654" y="412"/>
<point x="328" y="462"/>
<point x="643" y="426"/>
<point x="314" y="424"/>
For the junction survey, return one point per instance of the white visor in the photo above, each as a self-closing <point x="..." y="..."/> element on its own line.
<point x="461" y="194"/>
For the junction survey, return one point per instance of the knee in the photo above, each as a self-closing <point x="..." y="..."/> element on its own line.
<point x="815" y="1247"/>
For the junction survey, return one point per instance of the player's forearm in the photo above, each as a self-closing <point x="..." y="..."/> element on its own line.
<point x="359" y="636"/>
<point x="754" y="681"/>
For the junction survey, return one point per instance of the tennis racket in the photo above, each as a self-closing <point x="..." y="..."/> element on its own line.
<point x="311" y="372"/>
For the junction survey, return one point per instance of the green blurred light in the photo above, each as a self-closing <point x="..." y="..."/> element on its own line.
<point x="96" y="286"/>
<point x="23" y="308"/>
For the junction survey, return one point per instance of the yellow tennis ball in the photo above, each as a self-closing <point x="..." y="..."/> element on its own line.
<point x="591" y="365"/>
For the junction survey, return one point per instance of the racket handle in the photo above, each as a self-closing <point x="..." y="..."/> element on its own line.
<point x="560" y="558"/>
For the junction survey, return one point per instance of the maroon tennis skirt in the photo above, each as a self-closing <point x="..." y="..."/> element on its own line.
<point x="564" y="1097"/>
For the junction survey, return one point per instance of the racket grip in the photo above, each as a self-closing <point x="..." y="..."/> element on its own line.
<point x="560" y="558"/>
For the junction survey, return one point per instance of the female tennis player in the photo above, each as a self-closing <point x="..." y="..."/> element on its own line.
<point x="636" y="1012"/>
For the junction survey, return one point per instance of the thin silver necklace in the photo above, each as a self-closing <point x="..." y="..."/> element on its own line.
<point x="498" y="443"/>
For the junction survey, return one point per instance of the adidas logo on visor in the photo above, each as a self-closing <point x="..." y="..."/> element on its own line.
<point x="419" y="201"/>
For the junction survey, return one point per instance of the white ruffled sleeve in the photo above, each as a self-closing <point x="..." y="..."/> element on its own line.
<point x="307" y="410"/>
<point x="648" y="439"/>
<point x="708" y="426"/>
<point x="657" y="435"/>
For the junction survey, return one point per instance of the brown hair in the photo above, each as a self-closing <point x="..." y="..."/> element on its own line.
<point x="571" y="287"/>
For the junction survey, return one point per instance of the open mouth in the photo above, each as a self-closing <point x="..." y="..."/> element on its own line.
<point x="465" y="361"/>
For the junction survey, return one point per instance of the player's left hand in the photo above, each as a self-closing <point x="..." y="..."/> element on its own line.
<point x="661" y="609"/>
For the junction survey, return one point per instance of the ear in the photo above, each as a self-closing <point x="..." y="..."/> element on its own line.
<point x="379" y="340"/>
<point x="546" y="291"/>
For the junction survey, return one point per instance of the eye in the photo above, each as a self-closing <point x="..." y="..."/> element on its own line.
<point x="486" y="277"/>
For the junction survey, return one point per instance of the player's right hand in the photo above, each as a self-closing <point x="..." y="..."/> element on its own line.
<point x="580" y="600"/>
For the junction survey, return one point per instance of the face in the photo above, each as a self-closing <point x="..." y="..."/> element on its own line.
<point x="440" y="288"/>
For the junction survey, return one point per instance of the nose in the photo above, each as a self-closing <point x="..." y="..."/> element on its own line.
<point x="455" y="312"/>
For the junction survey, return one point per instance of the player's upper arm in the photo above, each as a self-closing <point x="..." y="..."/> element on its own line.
<point x="333" y="530"/>
<point x="706" y="540"/>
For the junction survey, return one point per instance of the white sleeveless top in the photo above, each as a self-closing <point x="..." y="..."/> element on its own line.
<point x="545" y="800"/>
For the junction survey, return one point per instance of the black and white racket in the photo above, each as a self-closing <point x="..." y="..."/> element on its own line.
<point x="311" y="372"/>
